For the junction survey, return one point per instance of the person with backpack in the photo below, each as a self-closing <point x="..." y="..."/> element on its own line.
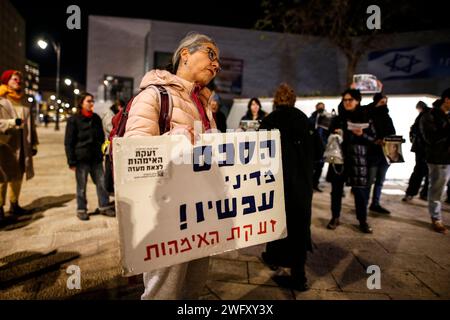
<point x="107" y="117"/>
<point x="378" y="112"/>
<point x="83" y="142"/>
<point x="194" y="64"/>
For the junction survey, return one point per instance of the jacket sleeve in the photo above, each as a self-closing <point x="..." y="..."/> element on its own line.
<point x="34" y="136"/>
<point x="70" y="142"/>
<point x="143" y="116"/>
<point x="6" y="123"/>
<point x="431" y="133"/>
<point x="107" y="123"/>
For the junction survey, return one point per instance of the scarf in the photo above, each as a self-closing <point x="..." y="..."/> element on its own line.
<point x="10" y="94"/>
<point x="87" y="114"/>
<point x="200" y="107"/>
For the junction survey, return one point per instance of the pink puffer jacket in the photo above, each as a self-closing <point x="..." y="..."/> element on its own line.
<point x="144" y="112"/>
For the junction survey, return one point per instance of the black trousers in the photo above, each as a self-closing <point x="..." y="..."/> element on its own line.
<point x="415" y="181"/>
<point x="361" y="199"/>
<point x="279" y="255"/>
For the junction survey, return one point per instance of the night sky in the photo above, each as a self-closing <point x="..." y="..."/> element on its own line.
<point x="49" y="17"/>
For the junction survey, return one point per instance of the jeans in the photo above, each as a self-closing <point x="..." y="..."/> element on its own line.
<point x="96" y="172"/>
<point x="360" y="194"/>
<point x="438" y="176"/>
<point x="420" y="171"/>
<point x="377" y="175"/>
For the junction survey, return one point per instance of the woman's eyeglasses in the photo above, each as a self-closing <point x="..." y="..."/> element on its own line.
<point x="348" y="100"/>
<point x="211" y="55"/>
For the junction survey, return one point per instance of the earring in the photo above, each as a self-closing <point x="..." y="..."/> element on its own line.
<point x="185" y="62"/>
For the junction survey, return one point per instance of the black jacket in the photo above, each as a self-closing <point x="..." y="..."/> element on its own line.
<point x="415" y="136"/>
<point x="221" y="121"/>
<point x="383" y="127"/>
<point x="83" y="140"/>
<point x="296" y="148"/>
<point x="320" y="137"/>
<point x="435" y="129"/>
<point x="355" y="149"/>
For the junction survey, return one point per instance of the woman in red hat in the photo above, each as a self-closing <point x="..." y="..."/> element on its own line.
<point x="18" y="141"/>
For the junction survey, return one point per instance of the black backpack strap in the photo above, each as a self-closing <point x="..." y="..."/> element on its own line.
<point x="165" y="113"/>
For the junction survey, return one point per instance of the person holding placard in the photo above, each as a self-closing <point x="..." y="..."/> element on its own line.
<point x="195" y="63"/>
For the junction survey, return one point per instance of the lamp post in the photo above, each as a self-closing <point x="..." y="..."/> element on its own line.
<point x="57" y="47"/>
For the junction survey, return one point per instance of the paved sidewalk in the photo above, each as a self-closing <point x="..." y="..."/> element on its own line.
<point x="36" y="251"/>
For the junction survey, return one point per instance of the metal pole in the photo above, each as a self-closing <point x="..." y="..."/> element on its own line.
<point x="75" y="96"/>
<point x="58" y="58"/>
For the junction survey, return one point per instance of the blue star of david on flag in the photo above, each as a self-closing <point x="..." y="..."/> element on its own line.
<point x="402" y="62"/>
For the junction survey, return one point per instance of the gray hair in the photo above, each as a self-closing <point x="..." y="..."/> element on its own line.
<point x="192" y="41"/>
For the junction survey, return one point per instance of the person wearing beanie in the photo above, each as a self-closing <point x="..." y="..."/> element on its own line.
<point x="435" y="129"/>
<point x="378" y="112"/>
<point x="354" y="171"/>
<point x="18" y="142"/>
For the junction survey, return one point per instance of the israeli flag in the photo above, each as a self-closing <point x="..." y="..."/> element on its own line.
<point x="402" y="63"/>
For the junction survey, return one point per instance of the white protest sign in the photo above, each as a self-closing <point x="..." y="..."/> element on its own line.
<point x="176" y="202"/>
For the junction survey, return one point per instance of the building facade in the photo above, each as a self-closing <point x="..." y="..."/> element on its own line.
<point x="121" y="50"/>
<point x="12" y="38"/>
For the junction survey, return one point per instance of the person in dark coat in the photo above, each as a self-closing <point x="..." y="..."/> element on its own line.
<point x="320" y="138"/>
<point x="297" y="161"/>
<point x="435" y="129"/>
<point x="83" y="141"/>
<point x="354" y="171"/>
<point x="378" y="166"/>
<point x="420" y="171"/>
<point x="219" y="117"/>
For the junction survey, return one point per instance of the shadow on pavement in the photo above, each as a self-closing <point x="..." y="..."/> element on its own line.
<point x="37" y="208"/>
<point x="49" y="202"/>
<point x="116" y="288"/>
<point x="20" y="267"/>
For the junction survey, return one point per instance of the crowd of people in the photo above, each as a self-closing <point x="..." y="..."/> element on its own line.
<point x="362" y="131"/>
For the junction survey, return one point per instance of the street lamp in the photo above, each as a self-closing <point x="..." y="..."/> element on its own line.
<point x="76" y="91"/>
<point x="57" y="47"/>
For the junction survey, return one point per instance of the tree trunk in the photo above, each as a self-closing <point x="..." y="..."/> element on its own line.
<point x="352" y="61"/>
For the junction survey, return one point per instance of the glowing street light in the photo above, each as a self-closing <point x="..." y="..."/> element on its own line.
<point x="67" y="81"/>
<point x="76" y="91"/>
<point x="30" y="99"/>
<point x="58" y="101"/>
<point x="52" y="97"/>
<point x="42" y="44"/>
<point x="57" y="47"/>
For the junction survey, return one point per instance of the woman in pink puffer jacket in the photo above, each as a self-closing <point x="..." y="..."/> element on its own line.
<point x="195" y="64"/>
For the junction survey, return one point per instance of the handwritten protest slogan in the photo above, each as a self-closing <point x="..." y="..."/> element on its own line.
<point x="181" y="202"/>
